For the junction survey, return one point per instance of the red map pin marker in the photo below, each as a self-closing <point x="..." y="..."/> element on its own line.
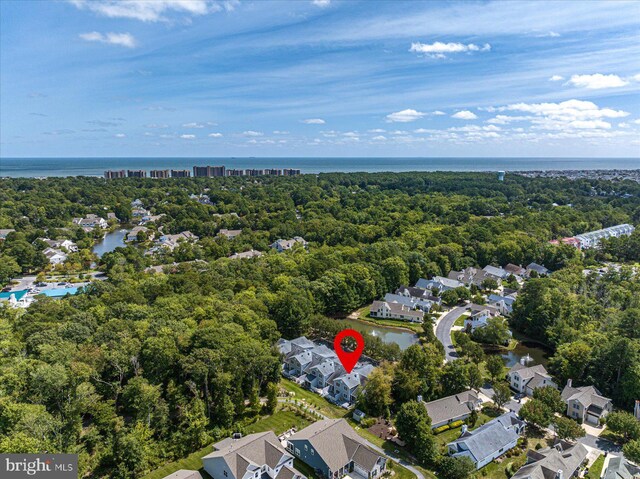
<point x="347" y="358"/>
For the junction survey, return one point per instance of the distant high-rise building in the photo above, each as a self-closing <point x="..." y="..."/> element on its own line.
<point x="136" y="174"/>
<point x="290" y="172"/>
<point x="180" y="173"/>
<point x="500" y="175"/>
<point x="273" y="172"/>
<point x="111" y="174"/>
<point x="209" y="171"/>
<point x="159" y="173"/>
<point x="234" y="172"/>
<point x="253" y="172"/>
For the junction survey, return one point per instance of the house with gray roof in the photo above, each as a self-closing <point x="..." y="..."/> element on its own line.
<point x="525" y="379"/>
<point x="256" y="456"/>
<point x="281" y="245"/>
<point x="184" y="474"/>
<point x="419" y="293"/>
<point x="390" y="310"/>
<point x="345" y="387"/>
<point x="332" y="448"/>
<point x="495" y="272"/>
<point x="515" y="270"/>
<point x="561" y="461"/>
<point x="538" y="268"/>
<point x="586" y="403"/>
<point x="503" y="303"/>
<point x="412" y="303"/>
<point x="620" y="468"/>
<point x="452" y="408"/>
<point x="246" y="254"/>
<point x="6" y="232"/>
<point x="489" y="441"/>
<point x="440" y="283"/>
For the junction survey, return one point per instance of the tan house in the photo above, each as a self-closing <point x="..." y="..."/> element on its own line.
<point x="586" y="403"/>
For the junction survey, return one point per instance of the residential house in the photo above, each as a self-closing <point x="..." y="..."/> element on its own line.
<point x="503" y="303"/>
<point x="410" y="302"/>
<point x="452" y="408"/>
<point x="538" y="268"/>
<point x="184" y="474"/>
<point x="561" y="461"/>
<point x="346" y="386"/>
<point x="515" y="270"/>
<point x="133" y="234"/>
<point x="246" y="254"/>
<point x="586" y="403"/>
<point x="489" y="441"/>
<point x="68" y="245"/>
<point x="419" y="293"/>
<point x="112" y="216"/>
<point x="5" y="232"/>
<point x="334" y="449"/>
<point x="229" y="234"/>
<point x="495" y="272"/>
<point x="619" y="468"/>
<point x="91" y="221"/>
<point x="140" y="212"/>
<point x="148" y="218"/>
<point x="283" y="245"/>
<point x="525" y="379"/>
<point x="387" y="310"/>
<point x="440" y="283"/>
<point x="476" y="308"/>
<point x="55" y="256"/>
<point x="171" y="241"/>
<point x="477" y="320"/>
<point x="256" y="456"/>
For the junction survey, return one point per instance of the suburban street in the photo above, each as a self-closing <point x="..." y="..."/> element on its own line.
<point x="602" y="444"/>
<point x="443" y="331"/>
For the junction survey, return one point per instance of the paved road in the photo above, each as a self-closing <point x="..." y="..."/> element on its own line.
<point x="512" y="405"/>
<point x="443" y="331"/>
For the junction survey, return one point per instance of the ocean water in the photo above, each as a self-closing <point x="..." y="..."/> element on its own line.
<point x="41" y="167"/>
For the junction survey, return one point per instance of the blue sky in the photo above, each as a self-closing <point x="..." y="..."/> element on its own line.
<point x="319" y="78"/>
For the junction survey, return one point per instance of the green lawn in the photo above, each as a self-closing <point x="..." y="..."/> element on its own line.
<point x="362" y="314"/>
<point x="596" y="468"/>
<point x="460" y="320"/>
<point x="318" y="403"/>
<point x="278" y="423"/>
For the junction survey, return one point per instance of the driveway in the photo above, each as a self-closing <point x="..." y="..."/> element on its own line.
<point x="512" y="405"/>
<point x="443" y="331"/>
<point x="601" y="444"/>
<point x="402" y="462"/>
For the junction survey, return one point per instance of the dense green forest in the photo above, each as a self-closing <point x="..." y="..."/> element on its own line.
<point x="146" y="367"/>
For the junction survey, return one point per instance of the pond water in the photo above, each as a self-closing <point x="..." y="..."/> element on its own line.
<point x="110" y="242"/>
<point x="401" y="337"/>
<point x="538" y="354"/>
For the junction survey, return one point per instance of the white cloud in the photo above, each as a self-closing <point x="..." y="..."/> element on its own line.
<point x="321" y="3"/>
<point x="280" y="132"/>
<point x="590" y="124"/>
<point x="597" y="81"/>
<point x="440" y="50"/>
<point x="379" y="138"/>
<point x="405" y="116"/>
<point x="215" y="135"/>
<point x="188" y="137"/>
<point x="438" y="113"/>
<point x="121" y="39"/>
<point x="120" y="135"/>
<point x="376" y="130"/>
<point x="148" y="11"/>
<point x="636" y="122"/>
<point x="636" y="77"/>
<point x="556" y="78"/>
<point x="314" y="121"/>
<point x="252" y="133"/>
<point x="465" y="115"/>
<point x="156" y="125"/>
<point x="193" y="124"/>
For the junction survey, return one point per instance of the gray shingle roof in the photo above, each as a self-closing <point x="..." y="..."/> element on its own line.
<point x="585" y="395"/>
<point x="337" y="444"/>
<point x="451" y="407"/>
<point x="545" y="463"/>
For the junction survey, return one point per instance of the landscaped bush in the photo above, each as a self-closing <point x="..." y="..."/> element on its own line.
<point x="455" y="424"/>
<point x="368" y="422"/>
<point x="440" y="429"/>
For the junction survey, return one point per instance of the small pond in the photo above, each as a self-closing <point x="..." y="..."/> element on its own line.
<point x="401" y="337"/>
<point x="110" y="242"/>
<point x="535" y="351"/>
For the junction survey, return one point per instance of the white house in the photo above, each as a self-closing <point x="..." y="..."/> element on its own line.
<point x="387" y="310"/>
<point x="593" y="238"/>
<point x="440" y="283"/>
<point x="586" y="403"/>
<point x="281" y="245"/>
<point x="525" y="379"/>
<point x="55" y="256"/>
<point x="91" y="221"/>
<point x="477" y="320"/>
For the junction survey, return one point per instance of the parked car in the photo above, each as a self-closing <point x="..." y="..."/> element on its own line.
<point x="41" y="284"/>
<point x="61" y="283"/>
<point x="6" y="289"/>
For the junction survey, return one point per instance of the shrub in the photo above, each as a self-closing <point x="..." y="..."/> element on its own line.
<point x="367" y="422"/>
<point x="455" y="424"/>
<point x="440" y="429"/>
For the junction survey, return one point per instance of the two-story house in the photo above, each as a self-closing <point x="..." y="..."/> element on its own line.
<point x="525" y="379"/>
<point x="586" y="403"/>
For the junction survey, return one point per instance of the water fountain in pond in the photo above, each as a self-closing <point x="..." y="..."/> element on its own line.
<point x="525" y="360"/>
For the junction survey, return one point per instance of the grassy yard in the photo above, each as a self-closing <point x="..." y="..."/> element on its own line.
<point x="596" y="468"/>
<point x="362" y="314"/>
<point x="278" y="422"/>
<point x="497" y="470"/>
<point x="460" y="320"/>
<point x="318" y="403"/>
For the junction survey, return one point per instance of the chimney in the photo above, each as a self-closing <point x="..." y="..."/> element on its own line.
<point x="559" y="474"/>
<point x="569" y="383"/>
